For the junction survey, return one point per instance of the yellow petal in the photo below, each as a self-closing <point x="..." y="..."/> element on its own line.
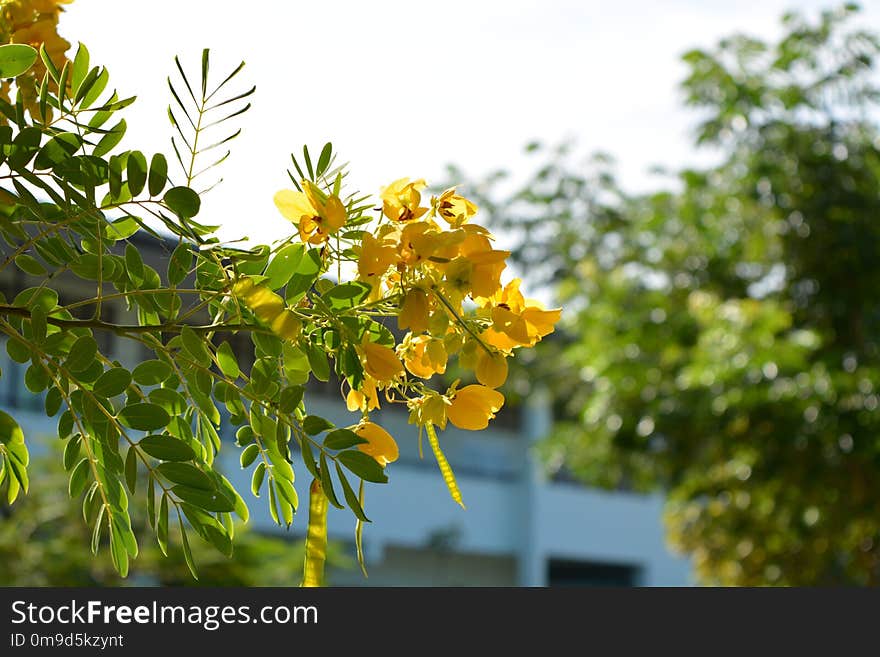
<point x="414" y="311"/>
<point x="491" y="369"/>
<point x="473" y="406"/>
<point x="514" y="326"/>
<point x="355" y="400"/>
<point x="498" y="340"/>
<point x="541" y="322"/>
<point x="380" y="445"/>
<point x="294" y="205"/>
<point x="381" y="362"/>
<point x="334" y="214"/>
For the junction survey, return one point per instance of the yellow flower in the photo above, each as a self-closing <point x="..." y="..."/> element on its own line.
<point x="316" y="216"/>
<point x="380" y="445"/>
<point x="400" y="200"/>
<point x="42" y="31"/>
<point x="269" y="308"/>
<point x="454" y="209"/>
<point x="380" y="362"/>
<point x="486" y="265"/>
<point x="376" y="256"/>
<point x="428" y="409"/>
<point x="473" y="406"/>
<point x="517" y="322"/>
<point x="414" y="311"/>
<point x="423" y="355"/>
<point x="366" y="399"/>
<point x="491" y="369"/>
<point x="540" y="322"/>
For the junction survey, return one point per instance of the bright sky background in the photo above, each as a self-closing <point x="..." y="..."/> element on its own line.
<point x="401" y="87"/>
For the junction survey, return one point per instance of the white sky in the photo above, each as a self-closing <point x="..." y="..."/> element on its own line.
<point x="403" y="87"/>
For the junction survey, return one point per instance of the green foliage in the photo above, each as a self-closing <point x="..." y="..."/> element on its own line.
<point x="722" y="338"/>
<point x="15" y="59"/>
<point x="72" y="199"/>
<point x="42" y="539"/>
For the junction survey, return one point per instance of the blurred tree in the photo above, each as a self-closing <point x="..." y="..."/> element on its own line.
<point x="722" y="338"/>
<point x="42" y="538"/>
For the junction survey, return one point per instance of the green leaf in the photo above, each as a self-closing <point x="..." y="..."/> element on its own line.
<point x="350" y="497"/>
<point x="122" y="229"/>
<point x="12" y="437"/>
<point x="228" y="361"/>
<point x="194" y="345"/>
<point x="179" y="264"/>
<point x="304" y="276"/>
<point x="309" y="458"/>
<point x="324" y="158"/>
<point x="44" y="297"/>
<point x="318" y="362"/>
<point x="257" y="478"/>
<point x="249" y="454"/>
<point x="284" y="265"/>
<point x="15" y="59"/>
<point x="209" y="500"/>
<point x="137" y="172"/>
<point x="112" y="382"/>
<point x="167" y="448"/>
<point x="84" y="86"/>
<point x="314" y="424"/>
<point x="363" y="465"/>
<point x="131" y="469"/>
<point x="171" y="400"/>
<point x="144" y="416"/>
<point x="162" y="525"/>
<point x="291" y="397"/>
<point x="183" y="202"/>
<point x="186" y="474"/>
<point x="80" y="67"/>
<point x="36" y="379"/>
<point x="187" y="553"/>
<point x="57" y="150"/>
<point x="343" y="439"/>
<point x="18" y="352"/>
<point x="296" y="364"/>
<point x="327" y="483"/>
<point x="308" y="163"/>
<point x="53" y="402"/>
<point x="82" y="354"/>
<point x="158" y="174"/>
<point x="134" y="264"/>
<point x="118" y="553"/>
<point x="38" y="325"/>
<point x="72" y="452"/>
<point x="109" y="141"/>
<point x="96" y="531"/>
<point x="151" y="372"/>
<point x="78" y="479"/>
<point x="288" y="492"/>
<point x="347" y="295"/>
<point x="30" y="265"/>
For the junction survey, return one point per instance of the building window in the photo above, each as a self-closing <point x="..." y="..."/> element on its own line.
<point x="571" y="573"/>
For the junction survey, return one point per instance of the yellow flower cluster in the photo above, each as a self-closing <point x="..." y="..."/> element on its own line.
<point x="35" y="23"/>
<point x="440" y="275"/>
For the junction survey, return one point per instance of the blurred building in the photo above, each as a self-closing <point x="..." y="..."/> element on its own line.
<point x="519" y="529"/>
